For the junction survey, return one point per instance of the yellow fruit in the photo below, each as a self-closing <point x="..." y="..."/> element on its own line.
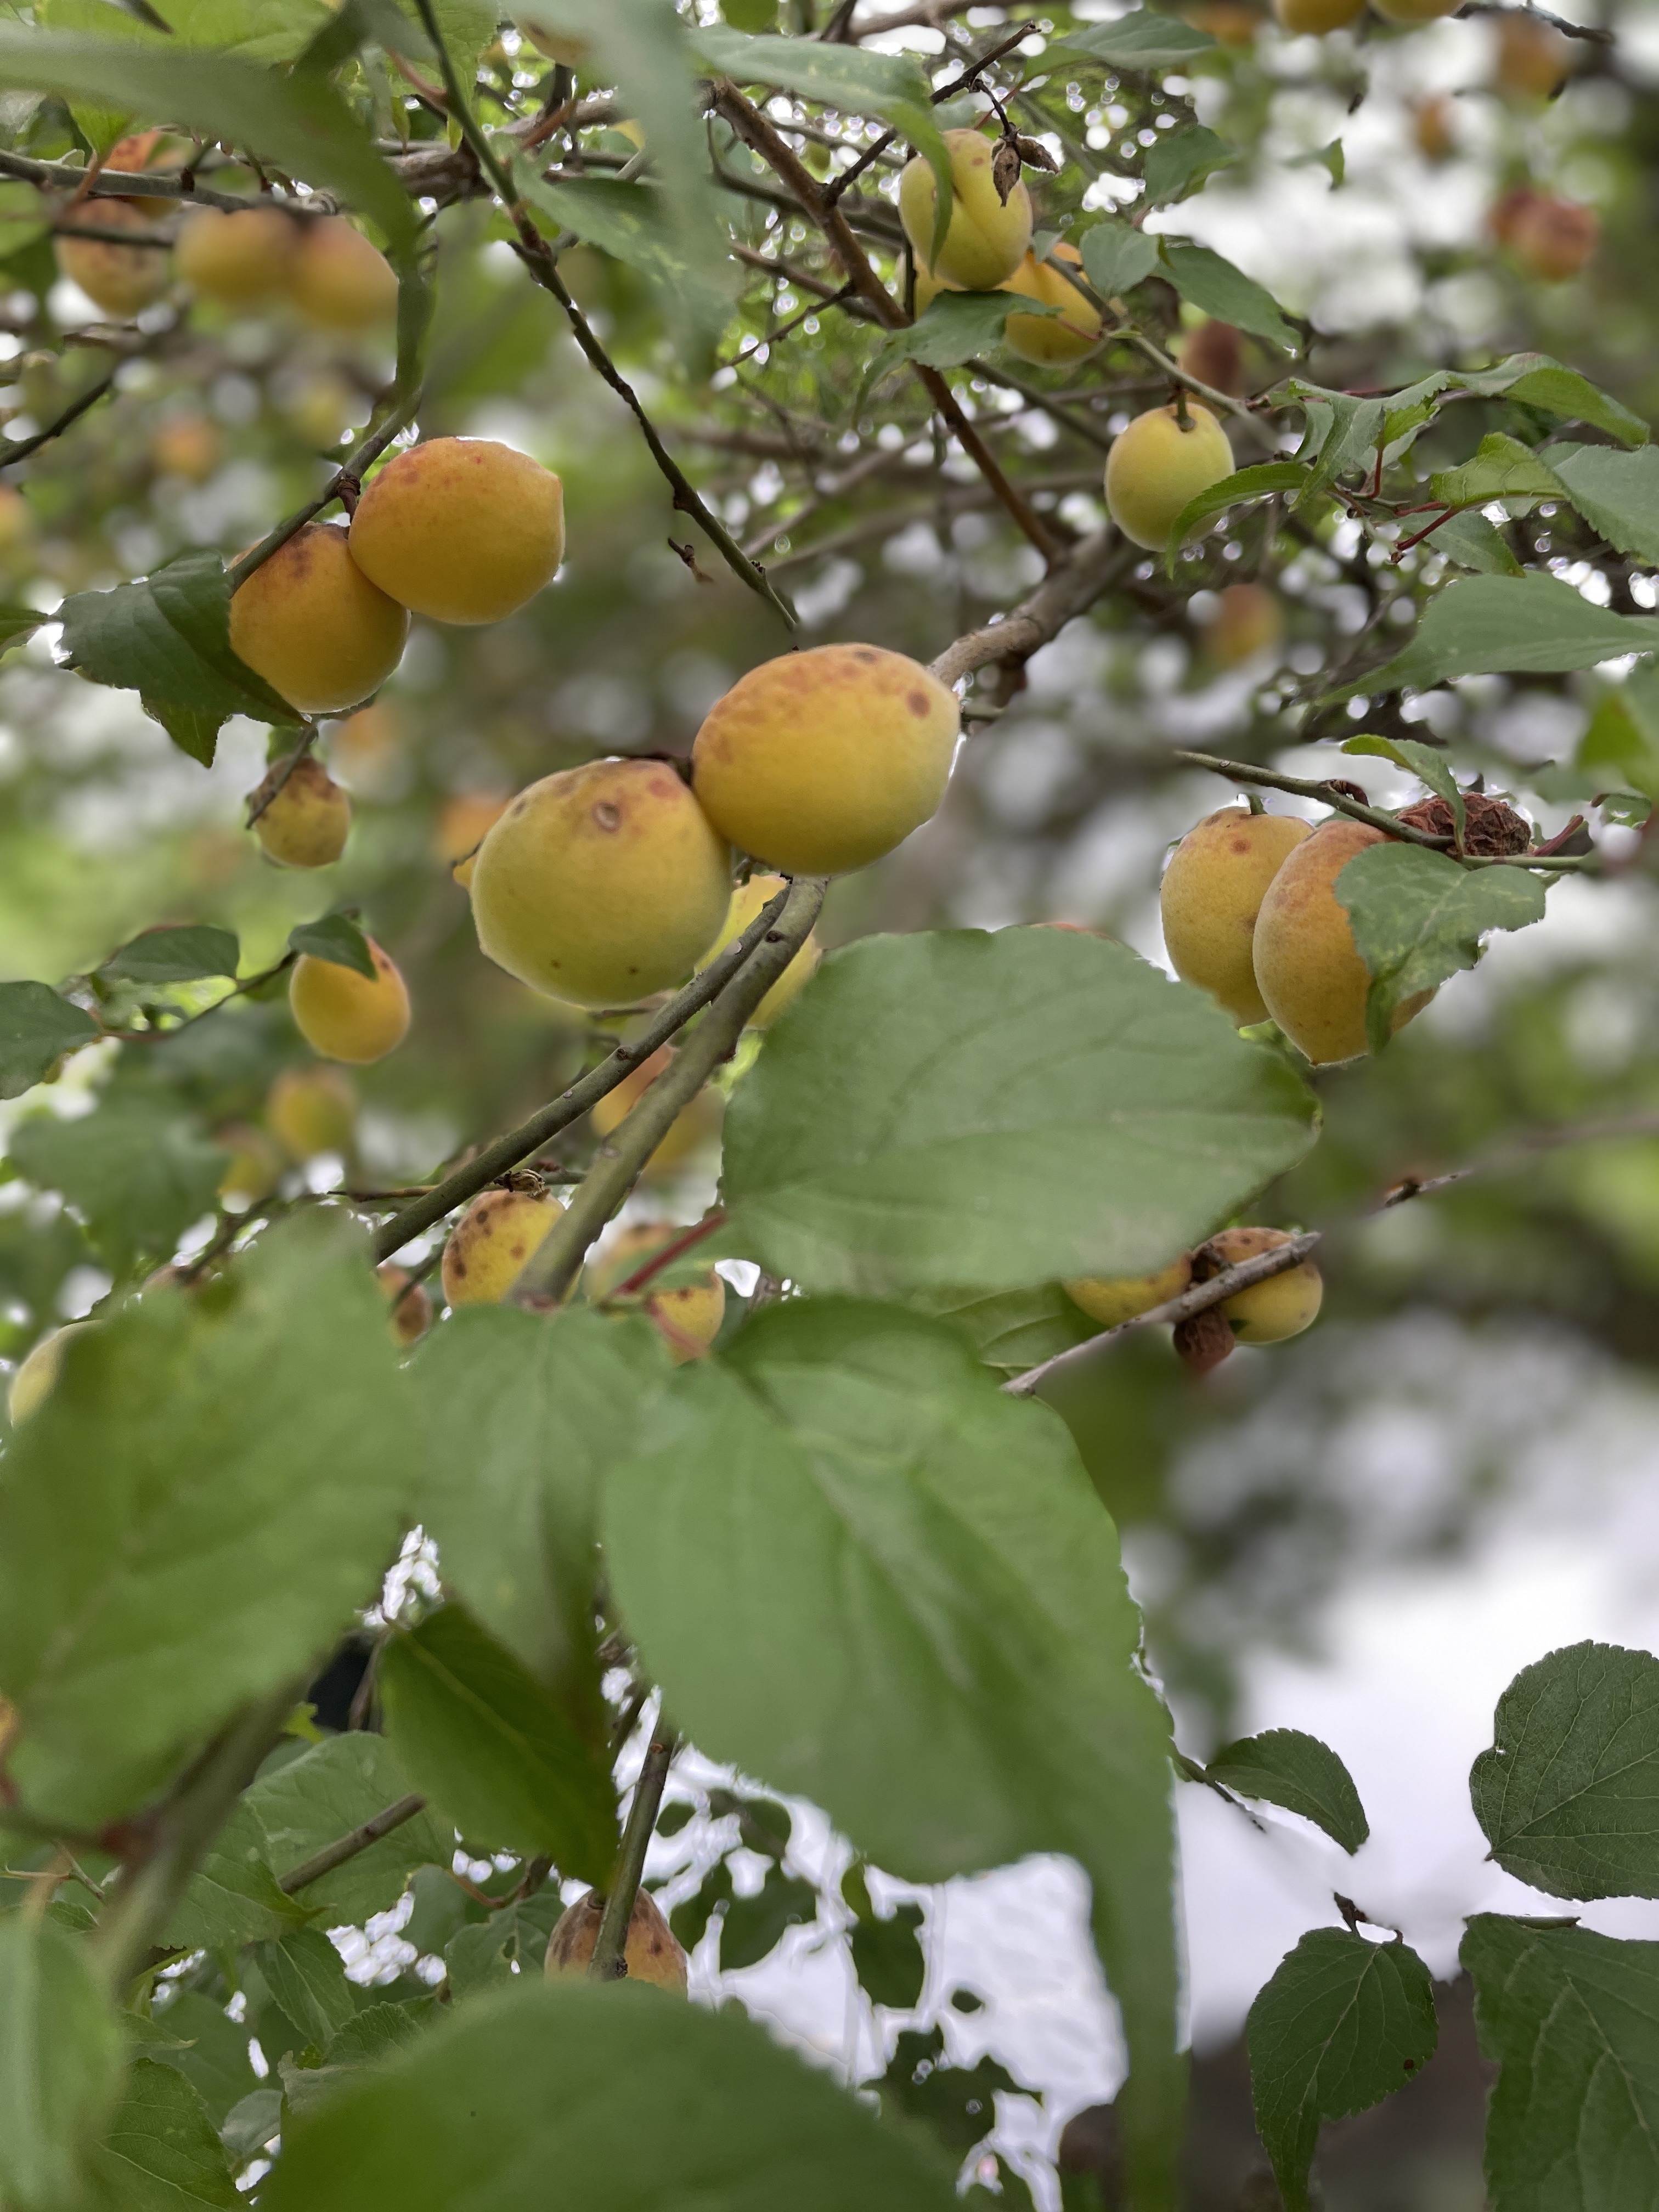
<point x="692" y="1128"/>
<point x="1155" y="467"/>
<point x="746" y="903"/>
<point x="1212" y="892"/>
<point x="987" y="239"/>
<point x="1228" y="20"/>
<point x="1554" y="239"/>
<point x="239" y="259"/>
<point x="1282" y="1306"/>
<point x="1110" y="1299"/>
<point x="37" y="1377"/>
<point x="314" y="626"/>
<point x="462" y="530"/>
<point x="337" y="278"/>
<point x="1049" y="339"/>
<point x="187" y="446"/>
<point x="119" y="279"/>
<point x="321" y="407"/>
<point x="1213" y="352"/>
<point x="368" y="749"/>
<point x="1533" y="61"/>
<point x="490" y="1243"/>
<point x="310" y="1110"/>
<point x="16" y="520"/>
<point x="342" y="1015"/>
<point x="1311" y="977"/>
<point x="1434" y="129"/>
<point x="464" y="821"/>
<point x="411" y="1309"/>
<point x="1415" y="11"/>
<point x="1317" y="17"/>
<point x="822" y="760"/>
<point x="305" y="823"/>
<point x="255" y="1163"/>
<point x="652" y="1953"/>
<point x="687" y="1317"/>
<point x="601" y="884"/>
<point x="1247" y="621"/>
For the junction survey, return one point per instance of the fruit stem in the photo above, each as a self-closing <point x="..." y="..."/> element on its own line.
<point x="609" y="1960"/>
<point x="350" y="477"/>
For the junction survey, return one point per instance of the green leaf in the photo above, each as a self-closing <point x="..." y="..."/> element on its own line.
<point x="1418" y="917"/>
<point x="483" y="1739"/>
<point x="1623" y="735"/>
<point x="1212" y="283"/>
<point x="1568" y="1797"/>
<point x="17" y="623"/>
<point x="861" y="1571"/>
<point x="1535" y="380"/>
<point x="1181" y="160"/>
<point x="1116" y="257"/>
<point x="690" y="1918"/>
<point x="522" y="1416"/>
<point x="1472" y="542"/>
<point x="139" y="1171"/>
<point x="249" y="2125"/>
<point x="297" y="122"/>
<point x="1262" y="480"/>
<point x="1429" y="766"/>
<point x="960" y="1108"/>
<point x="336" y="937"/>
<point x="357" y="24"/>
<point x="1144" y="40"/>
<point x="330" y="1789"/>
<point x="214" y="2056"/>
<point x="634" y="224"/>
<point x="233" y="1897"/>
<point x="1501" y="468"/>
<point x="177" y="954"/>
<point x="753" y="1926"/>
<point x="955" y="327"/>
<point x="1285" y="1767"/>
<point x="466" y="27"/>
<point x="750" y="15"/>
<point x="161" y="2153"/>
<point x="303" y="1972"/>
<point x="1342" y="2024"/>
<point x="60" y="2059"/>
<point x="552" y="2080"/>
<point x="888" y="1958"/>
<point x="957" y="2104"/>
<point x="1617" y="493"/>
<point x="1011" y="1330"/>
<point x="37" y="1028"/>
<point x="192" y="1515"/>
<point x="1572" y="2019"/>
<point x="374" y="2031"/>
<point x="1532" y="625"/>
<point x="1330" y="158"/>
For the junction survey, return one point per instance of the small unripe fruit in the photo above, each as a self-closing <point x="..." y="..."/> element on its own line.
<point x="119" y="279"/>
<point x="746" y="903"/>
<point x="1110" y="1299"/>
<point x="601" y="884"/>
<point x="687" y="1317"/>
<point x="491" y="1241"/>
<point x="1267" y="1312"/>
<point x="1247" y="621"/>
<point x="345" y="1015"/>
<point x="1051" y="339"/>
<point x="1554" y="239"/>
<point x="822" y="760"/>
<point x="988" y="238"/>
<point x="1415" y="11"/>
<point x="1533" y="61"/>
<point x="187" y="446"/>
<point x="694" y="1127"/>
<point x="237" y="260"/>
<point x="1155" y="467"/>
<point x="312" y="1110"/>
<point x="255" y="1164"/>
<point x="462" y="530"/>
<point x="652" y="1953"/>
<point x="1213" y="352"/>
<point x="411" y="1309"/>
<point x="314" y="627"/>
<point x="1317" y="16"/>
<point x="300" y="816"/>
<point x="1312" y="977"/>
<point x="337" y="279"/>
<point x="37" y="1377"/>
<point x="1210" y="894"/>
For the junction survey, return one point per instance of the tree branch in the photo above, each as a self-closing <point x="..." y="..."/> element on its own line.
<point x="609" y="1960"/>
<point x="1094" y="567"/>
<point x="347" y="478"/>
<point x="347" y="1847"/>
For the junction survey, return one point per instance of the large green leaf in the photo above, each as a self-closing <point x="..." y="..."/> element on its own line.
<point x="302" y="1971"/>
<point x="37" y="1028"/>
<point x="1342" y="2024"/>
<point x="329" y="1789"/>
<point x="1147" y="40"/>
<point x="611" y="2097"/>
<point x="191" y="1516"/>
<point x="161" y="2153"/>
<point x="483" y="1738"/>
<point x="959" y="1108"/>
<point x="1260" y="480"/>
<point x="1284" y="1767"/>
<point x="1011" y="1330"/>
<point x="1568" y="1796"/>
<point x="210" y="2051"/>
<point x="138" y="1170"/>
<point x="60" y="2059"/>
<point x="177" y="954"/>
<point x="954" y="327"/>
<point x="233" y="1897"/>
<point x="1212" y="283"/>
<point x="1116" y="257"/>
<point x="1531" y="625"/>
<point x="1418" y="917"/>
<point x="861" y="1571"/>
<point x="1180" y="161"/>
<point x="1572" y="2019"/>
<point x="1501" y="467"/>
<point x="1617" y="493"/>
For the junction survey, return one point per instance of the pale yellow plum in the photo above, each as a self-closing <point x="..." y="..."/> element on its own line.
<point x="255" y="1166"/>
<point x="694" y="1126"/>
<point x="120" y="279"/>
<point x="1211" y="893"/>
<point x="1156" y="467"/>
<point x="314" y="627"/>
<point x="1532" y="60"/>
<point x="187" y="446"/>
<point x="1110" y="1299"/>
<point x="687" y="1317"/>
<point x="462" y="530"/>
<point x="1317" y="17"/>
<point x="601" y="884"/>
<point x="491" y="1241"/>
<point x="36" y="1378"/>
<point x="1312" y="977"/>
<point x="1284" y="1305"/>
<point x="747" y="901"/>
<point x="1049" y="340"/>
<point x="1415" y="11"/>
<point x="237" y="260"/>
<point x="337" y="279"/>
<point x="822" y="760"/>
<point x="987" y="237"/>
<point x="312" y="1110"/>
<point x="302" y="818"/>
<point x="652" y="1953"/>
<point x="1247" y="621"/>
<point x="411" y="1309"/>
<point x="345" y="1015"/>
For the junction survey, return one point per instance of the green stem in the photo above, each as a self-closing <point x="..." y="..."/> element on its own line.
<point x="347" y="1847"/>
<point x="609" y="1960"/>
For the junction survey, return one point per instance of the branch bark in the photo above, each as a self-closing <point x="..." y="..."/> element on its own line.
<point x="1094" y="567"/>
<point x="609" y="1960"/>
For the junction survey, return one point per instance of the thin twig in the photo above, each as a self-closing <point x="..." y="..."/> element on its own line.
<point x="349" y="477"/>
<point x="1094" y="567"/>
<point x="347" y="1847"/>
<point x="609" y="1960"/>
<point x="10" y="454"/>
<point x="871" y="154"/>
